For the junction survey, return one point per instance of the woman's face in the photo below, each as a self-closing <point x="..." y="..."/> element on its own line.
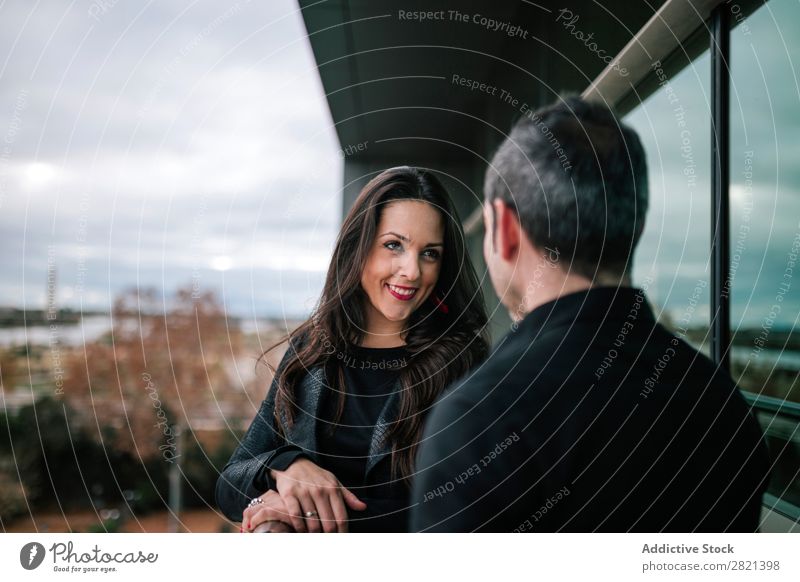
<point x="403" y="264"/>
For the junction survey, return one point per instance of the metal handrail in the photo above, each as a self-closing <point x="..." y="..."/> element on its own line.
<point x="771" y="404"/>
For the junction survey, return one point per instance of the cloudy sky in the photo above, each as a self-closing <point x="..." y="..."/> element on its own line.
<point x="164" y="143"/>
<point x="175" y="143"/>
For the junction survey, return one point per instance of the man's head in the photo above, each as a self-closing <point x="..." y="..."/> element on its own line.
<point x="567" y="189"/>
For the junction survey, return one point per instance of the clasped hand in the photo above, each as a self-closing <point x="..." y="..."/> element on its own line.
<point x="308" y="498"/>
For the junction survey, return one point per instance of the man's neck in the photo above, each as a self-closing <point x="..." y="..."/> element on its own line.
<point x="548" y="287"/>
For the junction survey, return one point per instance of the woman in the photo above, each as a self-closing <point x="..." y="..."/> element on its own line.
<point x="401" y="317"/>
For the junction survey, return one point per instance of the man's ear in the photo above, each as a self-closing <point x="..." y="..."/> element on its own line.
<point x="508" y="233"/>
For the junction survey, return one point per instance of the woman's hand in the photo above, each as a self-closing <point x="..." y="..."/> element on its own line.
<point x="272" y="508"/>
<point x="305" y="487"/>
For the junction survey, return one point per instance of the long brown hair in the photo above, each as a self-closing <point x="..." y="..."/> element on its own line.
<point x="442" y="346"/>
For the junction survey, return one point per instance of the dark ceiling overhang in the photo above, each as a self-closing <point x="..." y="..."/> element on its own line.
<point x="393" y="79"/>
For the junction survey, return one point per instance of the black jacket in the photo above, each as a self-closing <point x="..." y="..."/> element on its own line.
<point x="591" y="417"/>
<point x="246" y="475"/>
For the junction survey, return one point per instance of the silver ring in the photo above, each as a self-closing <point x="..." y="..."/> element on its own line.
<point x="255" y="501"/>
<point x="311" y="513"/>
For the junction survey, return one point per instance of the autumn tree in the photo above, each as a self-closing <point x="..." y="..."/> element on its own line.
<point x="168" y="360"/>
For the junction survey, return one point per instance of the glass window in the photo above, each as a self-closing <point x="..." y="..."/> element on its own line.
<point x="764" y="283"/>
<point x="672" y="260"/>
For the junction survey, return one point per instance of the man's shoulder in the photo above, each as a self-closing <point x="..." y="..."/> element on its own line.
<point x="512" y="365"/>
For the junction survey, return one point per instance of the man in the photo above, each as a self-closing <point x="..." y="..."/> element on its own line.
<point x="589" y="415"/>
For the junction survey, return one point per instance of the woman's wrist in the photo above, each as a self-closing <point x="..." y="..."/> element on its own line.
<point x="281" y="460"/>
<point x="275" y="472"/>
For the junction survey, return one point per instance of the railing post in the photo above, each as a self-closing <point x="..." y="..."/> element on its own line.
<point x="720" y="179"/>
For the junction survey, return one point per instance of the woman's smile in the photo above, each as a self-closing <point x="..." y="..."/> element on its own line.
<point x="401" y="293"/>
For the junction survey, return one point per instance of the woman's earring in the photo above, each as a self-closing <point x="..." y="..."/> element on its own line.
<point x="440" y="305"/>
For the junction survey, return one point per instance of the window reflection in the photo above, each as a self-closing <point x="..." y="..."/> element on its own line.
<point x="672" y="261"/>
<point x="764" y="282"/>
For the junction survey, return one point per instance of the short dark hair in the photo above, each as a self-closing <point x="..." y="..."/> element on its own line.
<point x="577" y="179"/>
